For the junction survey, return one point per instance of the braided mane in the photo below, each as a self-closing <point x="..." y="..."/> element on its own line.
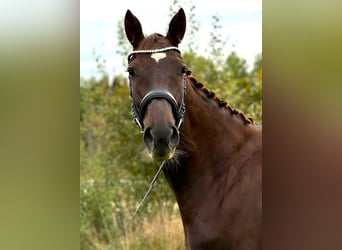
<point x="210" y="94"/>
<point x="156" y="41"/>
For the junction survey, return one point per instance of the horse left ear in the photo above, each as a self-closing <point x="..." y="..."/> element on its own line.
<point x="177" y="28"/>
<point x="133" y="29"/>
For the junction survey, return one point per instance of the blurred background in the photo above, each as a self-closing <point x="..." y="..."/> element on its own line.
<point x="41" y="196"/>
<point x="222" y="47"/>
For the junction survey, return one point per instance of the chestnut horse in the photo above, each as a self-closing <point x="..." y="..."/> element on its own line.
<point x="212" y="153"/>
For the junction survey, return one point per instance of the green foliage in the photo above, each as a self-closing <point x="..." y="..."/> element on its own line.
<point x="114" y="171"/>
<point x="231" y="81"/>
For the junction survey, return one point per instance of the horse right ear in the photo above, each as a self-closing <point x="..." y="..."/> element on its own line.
<point x="133" y="29"/>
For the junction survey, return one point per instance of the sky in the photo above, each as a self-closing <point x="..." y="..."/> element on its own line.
<point x="241" y="24"/>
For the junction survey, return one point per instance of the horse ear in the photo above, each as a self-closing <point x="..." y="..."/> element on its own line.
<point x="133" y="29"/>
<point x="177" y="28"/>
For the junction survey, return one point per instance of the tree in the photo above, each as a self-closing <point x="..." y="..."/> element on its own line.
<point x="216" y="43"/>
<point x="124" y="47"/>
<point x="235" y="66"/>
<point x="191" y="38"/>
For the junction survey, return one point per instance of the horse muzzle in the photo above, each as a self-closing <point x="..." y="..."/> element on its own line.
<point x="161" y="143"/>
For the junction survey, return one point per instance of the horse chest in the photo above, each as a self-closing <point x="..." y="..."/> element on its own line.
<point x="215" y="219"/>
<point x="209" y="236"/>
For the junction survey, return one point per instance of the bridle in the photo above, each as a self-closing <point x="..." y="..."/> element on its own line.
<point x="139" y="110"/>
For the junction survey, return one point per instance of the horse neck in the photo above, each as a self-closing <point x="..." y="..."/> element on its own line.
<point x="209" y="128"/>
<point x="208" y="136"/>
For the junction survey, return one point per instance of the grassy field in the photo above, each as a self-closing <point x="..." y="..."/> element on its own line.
<point x="155" y="228"/>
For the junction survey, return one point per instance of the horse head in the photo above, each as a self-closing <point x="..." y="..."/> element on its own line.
<point x="157" y="76"/>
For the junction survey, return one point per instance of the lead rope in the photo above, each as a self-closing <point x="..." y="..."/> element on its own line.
<point x="149" y="189"/>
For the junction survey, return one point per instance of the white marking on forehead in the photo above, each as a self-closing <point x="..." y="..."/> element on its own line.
<point x="158" y="56"/>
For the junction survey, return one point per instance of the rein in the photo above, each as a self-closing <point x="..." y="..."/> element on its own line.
<point x="149" y="189"/>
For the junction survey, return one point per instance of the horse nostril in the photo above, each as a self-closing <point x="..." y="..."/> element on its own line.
<point x="174" y="137"/>
<point x="148" y="138"/>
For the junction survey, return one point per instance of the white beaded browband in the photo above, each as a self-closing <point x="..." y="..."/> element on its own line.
<point x="152" y="51"/>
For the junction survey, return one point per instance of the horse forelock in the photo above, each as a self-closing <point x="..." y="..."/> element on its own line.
<point x="222" y="104"/>
<point x="154" y="41"/>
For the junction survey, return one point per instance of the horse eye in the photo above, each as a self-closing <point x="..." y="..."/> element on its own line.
<point x="184" y="70"/>
<point x="131" y="72"/>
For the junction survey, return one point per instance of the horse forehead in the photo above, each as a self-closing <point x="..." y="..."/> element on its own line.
<point x="157" y="63"/>
<point x="158" y="56"/>
<point x="167" y="59"/>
